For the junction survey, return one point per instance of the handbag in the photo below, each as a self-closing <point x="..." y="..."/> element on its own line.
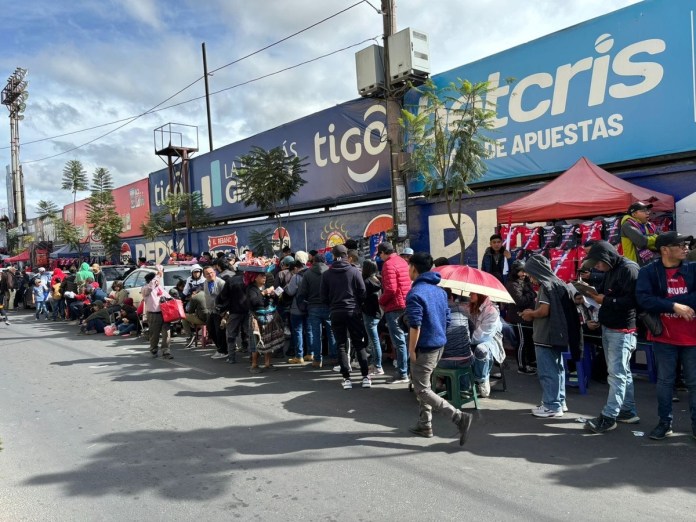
<point x="652" y="322"/>
<point x="110" y="330"/>
<point x="172" y="310"/>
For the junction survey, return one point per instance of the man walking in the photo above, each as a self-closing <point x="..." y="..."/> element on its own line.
<point x="428" y="317"/>
<point x="617" y="315"/>
<point x="152" y="291"/>
<point x="395" y="286"/>
<point x="667" y="287"/>
<point x="343" y="290"/>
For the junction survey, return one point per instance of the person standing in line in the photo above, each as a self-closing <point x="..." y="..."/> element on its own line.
<point x="7" y="282"/>
<point x="617" y="315"/>
<point x="520" y="289"/>
<point x="318" y="313"/>
<point x="395" y="286"/>
<point x="232" y="303"/>
<point x="638" y="234"/>
<point x="556" y="329"/>
<point x="298" y="310"/>
<point x="667" y="287"/>
<point x="211" y="289"/>
<point x="152" y="291"/>
<point x="372" y="314"/>
<point x="343" y="290"/>
<point x="428" y="316"/>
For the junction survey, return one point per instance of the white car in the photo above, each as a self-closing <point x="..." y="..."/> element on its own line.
<point x="136" y="279"/>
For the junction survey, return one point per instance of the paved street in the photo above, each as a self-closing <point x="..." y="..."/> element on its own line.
<point x="92" y="428"/>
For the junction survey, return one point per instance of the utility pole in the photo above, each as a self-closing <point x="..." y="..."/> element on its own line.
<point x="393" y="107"/>
<point x="207" y="97"/>
<point x="14" y="96"/>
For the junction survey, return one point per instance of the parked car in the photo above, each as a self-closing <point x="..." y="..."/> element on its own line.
<point x="136" y="279"/>
<point x="115" y="273"/>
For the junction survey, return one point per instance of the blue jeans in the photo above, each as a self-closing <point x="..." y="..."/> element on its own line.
<point x="398" y="339"/>
<point x="125" y="328"/>
<point x="618" y="347"/>
<point x="318" y="316"/>
<point x="373" y="336"/>
<point x="298" y="325"/>
<point x="666" y="358"/>
<point x="551" y="377"/>
<point x="483" y="362"/>
<point x="97" y="325"/>
<point x="41" y="309"/>
<point x="58" y="309"/>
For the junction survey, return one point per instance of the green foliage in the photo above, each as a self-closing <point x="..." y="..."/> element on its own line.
<point x="12" y="242"/>
<point x="260" y="242"/>
<point x="268" y="179"/>
<point x="105" y="222"/>
<point x="173" y="213"/>
<point x="68" y="233"/>
<point x="47" y="210"/>
<point x="448" y="137"/>
<point x="74" y="180"/>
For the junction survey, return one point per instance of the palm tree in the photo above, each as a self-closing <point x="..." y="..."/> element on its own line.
<point x="47" y="210"/>
<point x="74" y="179"/>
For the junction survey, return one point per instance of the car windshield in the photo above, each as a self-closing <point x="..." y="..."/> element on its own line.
<point x="112" y="273"/>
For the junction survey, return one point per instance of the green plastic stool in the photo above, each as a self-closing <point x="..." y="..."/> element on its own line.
<point x="454" y="394"/>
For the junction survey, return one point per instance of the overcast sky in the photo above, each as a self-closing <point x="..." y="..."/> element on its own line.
<point x="92" y="62"/>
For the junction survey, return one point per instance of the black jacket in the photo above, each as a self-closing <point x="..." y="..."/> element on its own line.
<point x="233" y="296"/>
<point x="618" y="310"/>
<point x="524" y="295"/>
<point x="370" y="306"/>
<point x="310" y="287"/>
<point x="342" y="287"/>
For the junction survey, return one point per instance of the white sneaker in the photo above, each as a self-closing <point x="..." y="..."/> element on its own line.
<point x="218" y="355"/>
<point x="347" y="385"/>
<point x="366" y="382"/>
<point x="543" y="411"/>
<point x="376" y="371"/>
<point x="483" y="389"/>
<point x="564" y="407"/>
<point x="337" y="369"/>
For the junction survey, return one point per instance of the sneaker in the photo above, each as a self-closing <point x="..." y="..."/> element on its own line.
<point x="376" y="371"/>
<point x="336" y="369"/>
<point x="7" y="322"/>
<point x="347" y="385"/>
<point x="564" y="406"/>
<point x="601" y="424"/>
<point x="316" y="364"/>
<point x="189" y="341"/>
<point x="662" y="430"/>
<point x="219" y="355"/>
<point x="543" y="411"/>
<point x="422" y="431"/>
<point x="366" y="382"/>
<point x="296" y="360"/>
<point x="483" y="389"/>
<point x="526" y="370"/>
<point x="154" y="354"/>
<point x="399" y="379"/>
<point x="309" y="358"/>
<point x="167" y="356"/>
<point x="464" y="423"/>
<point x="627" y="417"/>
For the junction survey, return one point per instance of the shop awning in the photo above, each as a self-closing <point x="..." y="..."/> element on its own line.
<point x="67" y="251"/>
<point x="584" y="190"/>
<point x="20" y="258"/>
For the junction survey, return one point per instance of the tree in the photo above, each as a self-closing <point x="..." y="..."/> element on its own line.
<point x="69" y="234"/>
<point x="268" y="179"/>
<point x="171" y="215"/>
<point x="74" y="180"/>
<point x="47" y="210"/>
<point x="260" y="242"/>
<point x="448" y="143"/>
<point x="105" y="222"/>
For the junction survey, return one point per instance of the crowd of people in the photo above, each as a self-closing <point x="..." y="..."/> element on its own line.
<point x="346" y="312"/>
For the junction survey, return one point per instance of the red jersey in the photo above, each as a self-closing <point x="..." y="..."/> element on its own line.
<point x="676" y="330"/>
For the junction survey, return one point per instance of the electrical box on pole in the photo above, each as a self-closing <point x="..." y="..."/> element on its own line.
<point x="409" y="56"/>
<point x="369" y="66"/>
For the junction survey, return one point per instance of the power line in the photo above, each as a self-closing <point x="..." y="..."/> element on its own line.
<point x="156" y="109"/>
<point x="131" y="119"/>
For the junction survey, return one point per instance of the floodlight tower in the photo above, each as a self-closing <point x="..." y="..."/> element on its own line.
<point x="14" y="97"/>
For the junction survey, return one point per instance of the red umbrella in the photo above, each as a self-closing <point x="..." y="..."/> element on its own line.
<point x="465" y="280"/>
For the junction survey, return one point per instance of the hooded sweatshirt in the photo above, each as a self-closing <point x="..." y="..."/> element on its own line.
<point x="618" y="310"/>
<point x="310" y="287"/>
<point x="342" y="287"/>
<point x="83" y="274"/>
<point x="520" y="289"/>
<point x="426" y="308"/>
<point x="561" y="328"/>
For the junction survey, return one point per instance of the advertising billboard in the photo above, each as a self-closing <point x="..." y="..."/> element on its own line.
<point x="345" y="149"/>
<point x="132" y="203"/>
<point x="616" y="88"/>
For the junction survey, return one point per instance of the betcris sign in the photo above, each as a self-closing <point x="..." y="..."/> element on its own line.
<point x="345" y="148"/>
<point x="616" y="88"/>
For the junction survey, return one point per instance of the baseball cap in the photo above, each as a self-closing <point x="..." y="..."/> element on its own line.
<point x="407" y="251"/>
<point x="340" y="251"/>
<point x="671" y="239"/>
<point x="639" y="205"/>
<point x="288" y="260"/>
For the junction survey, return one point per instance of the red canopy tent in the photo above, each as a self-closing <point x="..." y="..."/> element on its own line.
<point x="584" y="190"/>
<point x="23" y="257"/>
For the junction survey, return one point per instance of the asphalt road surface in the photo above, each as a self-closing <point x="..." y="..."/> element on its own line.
<point x="92" y="428"/>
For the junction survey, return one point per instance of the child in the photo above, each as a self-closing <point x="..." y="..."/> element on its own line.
<point x="40" y="292"/>
<point x="57" y="302"/>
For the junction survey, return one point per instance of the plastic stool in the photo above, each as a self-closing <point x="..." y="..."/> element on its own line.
<point x="649" y="369"/>
<point x="203" y="337"/>
<point x="454" y="394"/>
<point x="583" y="369"/>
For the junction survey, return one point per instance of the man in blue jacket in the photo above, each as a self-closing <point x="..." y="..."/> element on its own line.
<point x="428" y="316"/>
<point x="667" y="286"/>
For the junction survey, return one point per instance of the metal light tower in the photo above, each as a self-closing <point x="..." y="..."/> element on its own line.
<point x="14" y="97"/>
